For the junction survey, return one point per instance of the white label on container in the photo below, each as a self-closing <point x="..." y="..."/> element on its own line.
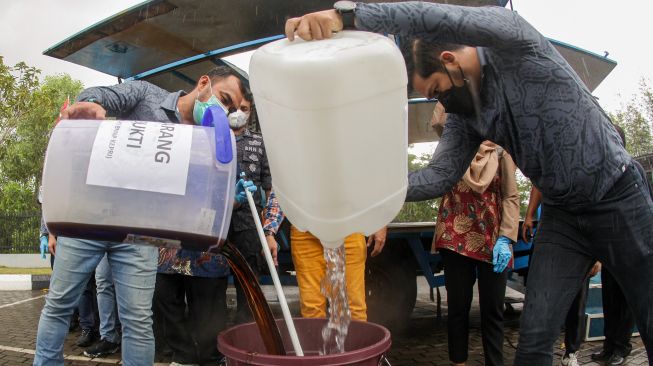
<point x="142" y="156"/>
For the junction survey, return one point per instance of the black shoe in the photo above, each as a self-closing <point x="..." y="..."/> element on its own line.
<point x="87" y="338"/>
<point x="616" y="360"/>
<point x="601" y="355"/>
<point x="101" y="349"/>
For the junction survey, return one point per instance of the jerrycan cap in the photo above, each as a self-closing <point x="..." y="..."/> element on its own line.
<point x="216" y="117"/>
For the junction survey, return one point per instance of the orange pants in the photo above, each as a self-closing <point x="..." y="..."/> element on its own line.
<point x="308" y="256"/>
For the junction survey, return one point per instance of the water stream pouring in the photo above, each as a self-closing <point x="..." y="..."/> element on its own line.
<point x="334" y="117"/>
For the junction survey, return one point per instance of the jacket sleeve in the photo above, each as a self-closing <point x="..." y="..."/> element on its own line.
<point x="510" y="198"/>
<point x="44" y="229"/>
<point x="273" y="216"/>
<point x="450" y="160"/>
<point x="266" y="177"/>
<point x="489" y="26"/>
<point x="117" y="100"/>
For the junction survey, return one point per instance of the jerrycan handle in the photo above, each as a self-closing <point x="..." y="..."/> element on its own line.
<point x="216" y="117"/>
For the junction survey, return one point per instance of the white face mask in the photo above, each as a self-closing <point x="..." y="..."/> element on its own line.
<point x="238" y="119"/>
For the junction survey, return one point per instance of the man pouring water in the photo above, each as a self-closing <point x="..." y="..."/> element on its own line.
<point x="501" y="80"/>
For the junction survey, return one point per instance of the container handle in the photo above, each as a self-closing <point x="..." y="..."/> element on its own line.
<point x="216" y="117"/>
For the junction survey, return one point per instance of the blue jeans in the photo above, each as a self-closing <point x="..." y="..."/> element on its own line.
<point x="106" y="302"/>
<point x="134" y="273"/>
<point x="87" y="307"/>
<point x="618" y="231"/>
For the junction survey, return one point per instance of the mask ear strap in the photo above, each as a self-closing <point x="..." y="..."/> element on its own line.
<point x="462" y="74"/>
<point x="448" y="74"/>
<point x="210" y="89"/>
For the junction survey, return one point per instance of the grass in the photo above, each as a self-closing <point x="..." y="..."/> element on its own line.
<point x="35" y="271"/>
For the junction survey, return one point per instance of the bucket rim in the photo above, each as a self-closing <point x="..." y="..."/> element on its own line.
<point x="345" y="358"/>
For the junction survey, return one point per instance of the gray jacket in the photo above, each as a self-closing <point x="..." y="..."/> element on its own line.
<point x="533" y="104"/>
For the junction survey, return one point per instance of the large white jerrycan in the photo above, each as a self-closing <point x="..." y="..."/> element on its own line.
<point x="334" y="117"/>
<point x="141" y="182"/>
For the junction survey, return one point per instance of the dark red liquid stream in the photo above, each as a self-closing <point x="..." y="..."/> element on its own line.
<point x="242" y="271"/>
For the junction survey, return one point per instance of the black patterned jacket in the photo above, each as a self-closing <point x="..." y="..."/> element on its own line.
<point x="253" y="161"/>
<point x="533" y="104"/>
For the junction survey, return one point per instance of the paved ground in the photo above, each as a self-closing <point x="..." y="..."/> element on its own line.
<point x="425" y="342"/>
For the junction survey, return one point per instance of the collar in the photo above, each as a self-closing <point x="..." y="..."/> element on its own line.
<point x="245" y="133"/>
<point x="482" y="59"/>
<point x="170" y="102"/>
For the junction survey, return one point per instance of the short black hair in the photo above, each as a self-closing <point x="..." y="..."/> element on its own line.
<point x="423" y="57"/>
<point x="223" y="72"/>
<point x="248" y="96"/>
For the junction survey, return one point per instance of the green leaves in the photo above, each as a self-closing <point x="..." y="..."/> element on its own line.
<point x="28" y="109"/>
<point x="636" y="118"/>
<point x="425" y="211"/>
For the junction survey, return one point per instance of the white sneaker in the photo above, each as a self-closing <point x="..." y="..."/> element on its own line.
<point x="182" y="364"/>
<point x="570" y="359"/>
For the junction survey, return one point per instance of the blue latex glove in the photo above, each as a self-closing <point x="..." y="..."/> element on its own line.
<point x="501" y="254"/>
<point x="44" y="245"/>
<point x="241" y="186"/>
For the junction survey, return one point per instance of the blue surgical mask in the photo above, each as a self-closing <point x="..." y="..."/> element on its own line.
<point x="201" y="107"/>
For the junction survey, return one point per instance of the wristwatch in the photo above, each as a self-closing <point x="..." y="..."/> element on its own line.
<point x="93" y="100"/>
<point x="347" y="10"/>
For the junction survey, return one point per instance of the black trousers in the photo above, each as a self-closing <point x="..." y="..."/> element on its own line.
<point x="189" y="313"/>
<point x="575" y="321"/>
<point x="89" y="317"/>
<point x="618" y="319"/>
<point x="618" y="231"/>
<point x="460" y="274"/>
<point x="249" y="245"/>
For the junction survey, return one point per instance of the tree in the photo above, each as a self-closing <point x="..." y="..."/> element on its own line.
<point x="424" y="211"/>
<point x="524" y="187"/>
<point x="636" y="118"/>
<point x="28" y="110"/>
<point x="646" y="99"/>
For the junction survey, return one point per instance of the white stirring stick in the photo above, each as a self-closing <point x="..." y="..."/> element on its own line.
<point x="275" y="277"/>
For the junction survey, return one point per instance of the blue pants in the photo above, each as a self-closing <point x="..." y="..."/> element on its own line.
<point x="618" y="231"/>
<point x="106" y="302"/>
<point x="88" y="308"/>
<point x="134" y="272"/>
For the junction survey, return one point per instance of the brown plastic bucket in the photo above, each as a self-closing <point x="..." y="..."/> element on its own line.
<point x="366" y="345"/>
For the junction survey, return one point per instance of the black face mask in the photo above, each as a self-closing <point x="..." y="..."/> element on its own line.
<point x="458" y="99"/>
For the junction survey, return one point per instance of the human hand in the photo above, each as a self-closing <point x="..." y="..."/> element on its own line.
<point x="378" y="238"/>
<point x="52" y="244"/>
<point x="318" y="25"/>
<point x="501" y="254"/>
<point x="527" y="229"/>
<point x="274" y="248"/>
<point x="241" y="187"/>
<point x="596" y="268"/>
<point x="84" y="110"/>
<point x="44" y="245"/>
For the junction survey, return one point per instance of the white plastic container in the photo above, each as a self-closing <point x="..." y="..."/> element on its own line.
<point x="163" y="186"/>
<point x="334" y="117"/>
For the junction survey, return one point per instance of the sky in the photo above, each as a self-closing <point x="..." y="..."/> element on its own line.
<point x="28" y="27"/>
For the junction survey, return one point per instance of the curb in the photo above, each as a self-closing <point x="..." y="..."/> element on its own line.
<point x="14" y="282"/>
